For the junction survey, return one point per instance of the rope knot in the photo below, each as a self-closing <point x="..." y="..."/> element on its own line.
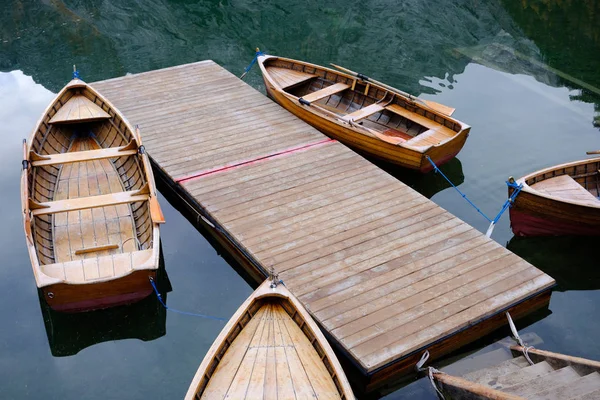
<point x="430" y="372"/>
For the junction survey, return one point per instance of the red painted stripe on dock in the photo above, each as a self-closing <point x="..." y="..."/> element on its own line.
<point x="253" y="161"/>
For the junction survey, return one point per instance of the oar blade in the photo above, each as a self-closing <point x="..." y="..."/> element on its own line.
<point x="156" y="213"/>
<point x="440" y="107"/>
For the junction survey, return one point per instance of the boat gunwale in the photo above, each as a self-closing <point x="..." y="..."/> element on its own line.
<point x="265" y="291"/>
<point x="531" y="190"/>
<point x="464" y="128"/>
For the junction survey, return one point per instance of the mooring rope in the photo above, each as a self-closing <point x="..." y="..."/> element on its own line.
<point x="507" y="204"/>
<point x="516" y="336"/>
<point x="178" y="311"/>
<point x="75" y="73"/>
<point x="430" y="372"/>
<point x="249" y="67"/>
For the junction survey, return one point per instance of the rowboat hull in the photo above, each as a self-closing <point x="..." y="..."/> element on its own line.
<point x="413" y="157"/>
<point x="131" y="288"/>
<point x="270" y="348"/>
<point x="547" y="375"/>
<point x="90" y="211"/>
<point x="551" y="203"/>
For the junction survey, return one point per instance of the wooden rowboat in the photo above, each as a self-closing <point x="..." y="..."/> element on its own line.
<point x="551" y="376"/>
<point x="366" y="115"/>
<point x="560" y="200"/>
<point x="90" y="210"/>
<point x="270" y="349"/>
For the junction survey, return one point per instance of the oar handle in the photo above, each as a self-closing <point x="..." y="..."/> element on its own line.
<point x="593" y="152"/>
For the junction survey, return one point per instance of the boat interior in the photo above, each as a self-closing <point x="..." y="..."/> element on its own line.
<point x="394" y="119"/>
<point x="579" y="183"/>
<point x="270" y="340"/>
<point x="88" y="192"/>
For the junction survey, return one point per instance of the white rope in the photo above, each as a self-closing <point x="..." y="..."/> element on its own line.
<point x="430" y="372"/>
<point x="516" y="336"/>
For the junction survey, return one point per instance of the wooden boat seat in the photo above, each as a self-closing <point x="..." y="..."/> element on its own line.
<point x="38" y="160"/>
<point x="287" y="78"/>
<point x="567" y="188"/>
<point x="432" y="137"/>
<point x="412" y="116"/>
<point x="79" y="109"/>
<point x="363" y="112"/>
<point x="82" y="203"/>
<point x="98" y="268"/>
<point x="325" y="92"/>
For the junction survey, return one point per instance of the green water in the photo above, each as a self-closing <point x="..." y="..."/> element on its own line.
<point x="524" y="74"/>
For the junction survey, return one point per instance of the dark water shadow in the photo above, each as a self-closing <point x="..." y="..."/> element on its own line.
<point x="566" y="34"/>
<point x="427" y="184"/>
<point x="571" y="260"/>
<point x="69" y="333"/>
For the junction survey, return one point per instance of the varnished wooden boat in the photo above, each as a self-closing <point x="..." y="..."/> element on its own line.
<point x="552" y="376"/>
<point x="90" y="210"/>
<point x="270" y="349"/>
<point x="560" y="200"/>
<point x="370" y="117"/>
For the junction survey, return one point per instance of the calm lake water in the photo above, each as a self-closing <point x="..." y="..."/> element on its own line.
<point x="524" y="74"/>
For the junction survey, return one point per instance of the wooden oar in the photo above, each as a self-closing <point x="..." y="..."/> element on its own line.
<point x="593" y="152"/>
<point x="25" y="194"/>
<point x="156" y="213"/>
<point x="428" y="103"/>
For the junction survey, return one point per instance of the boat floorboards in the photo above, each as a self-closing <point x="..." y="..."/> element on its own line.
<point x="75" y="231"/>
<point x="385" y="271"/>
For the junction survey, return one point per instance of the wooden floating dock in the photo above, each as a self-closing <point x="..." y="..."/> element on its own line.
<point x="384" y="271"/>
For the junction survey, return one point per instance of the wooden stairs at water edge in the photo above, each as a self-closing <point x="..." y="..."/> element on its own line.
<point x="552" y="376"/>
<point x="385" y="272"/>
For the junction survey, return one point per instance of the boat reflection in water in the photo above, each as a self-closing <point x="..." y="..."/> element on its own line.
<point x="69" y="333"/>
<point x="571" y="260"/>
<point x="427" y="184"/>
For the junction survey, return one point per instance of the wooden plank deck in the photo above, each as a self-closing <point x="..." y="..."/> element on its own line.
<point x="386" y="272"/>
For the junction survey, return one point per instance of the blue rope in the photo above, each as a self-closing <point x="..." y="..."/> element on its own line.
<point x="180" y="312"/>
<point x="435" y="167"/>
<point x="249" y="67"/>
<point x="507" y="203"/>
<point x="76" y="75"/>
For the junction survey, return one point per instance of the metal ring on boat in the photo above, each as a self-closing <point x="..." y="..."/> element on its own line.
<point x="50" y="295"/>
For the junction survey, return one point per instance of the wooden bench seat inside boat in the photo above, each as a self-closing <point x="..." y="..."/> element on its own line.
<point x="567" y="188"/>
<point x="412" y="116"/>
<point x="82" y="203"/>
<point x="432" y="137"/>
<point x="79" y="109"/>
<point x="98" y="268"/>
<point x="39" y="160"/>
<point x="363" y="112"/>
<point x="325" y="92"/>
<point x="287" y="78"/>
